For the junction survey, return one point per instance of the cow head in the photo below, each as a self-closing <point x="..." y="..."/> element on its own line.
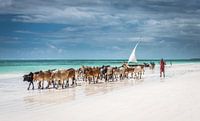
<point x="26" y="78"/>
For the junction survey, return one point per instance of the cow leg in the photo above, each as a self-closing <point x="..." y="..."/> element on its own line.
<point x="54" y="84"/>
<point x="47" y="87"/>
<point x="101" y="77"/>
<point x="89" y="80"/>
<point x="97" y="79"/>
<point x="29" y="85"/>
<point x="32" y="85"/>
<point x="42" y="84"/>
<point x="63" y="84"/>
<point x="67" y="84"/>
<point x="58" y="84"/>
<point x="93" y="78"/>
<point x="83" y="78"/>
<point x="39" y="84"/>
<point x="74" y="81"/>
<point x="106" y="78"/>
<point x="135" y="75"/>
<point x="109" y="77"/>
<point x="112" y="76"/>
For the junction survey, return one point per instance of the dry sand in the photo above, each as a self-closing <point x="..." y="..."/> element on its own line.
<point x="175" y="98"/>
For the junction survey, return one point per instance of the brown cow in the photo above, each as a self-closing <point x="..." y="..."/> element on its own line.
<point x="139" y="70"/>
<point x="61" y="75"/>
<point x="42" y="76"/>
<point x="91" y="73"/>
<point x="128" y="70"/>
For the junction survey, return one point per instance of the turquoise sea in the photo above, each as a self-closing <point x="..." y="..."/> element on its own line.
<point x="25" y="66"/>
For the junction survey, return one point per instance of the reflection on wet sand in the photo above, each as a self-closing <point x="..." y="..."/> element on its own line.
<point x="53" y="97"/>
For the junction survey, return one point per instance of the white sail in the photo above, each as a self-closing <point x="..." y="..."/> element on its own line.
<point x="132" y="57"/>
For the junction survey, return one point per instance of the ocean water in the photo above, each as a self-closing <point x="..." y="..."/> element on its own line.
<point x="26" y="66"/>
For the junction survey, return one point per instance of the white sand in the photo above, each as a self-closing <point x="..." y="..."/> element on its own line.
<point x="175" y="98"/>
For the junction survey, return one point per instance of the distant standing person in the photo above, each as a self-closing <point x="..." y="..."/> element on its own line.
<point x="162" y="68"/>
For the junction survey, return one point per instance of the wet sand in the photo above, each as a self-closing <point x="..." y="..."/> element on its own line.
<point x="175" y="98"/>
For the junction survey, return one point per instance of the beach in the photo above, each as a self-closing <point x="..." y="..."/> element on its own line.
<point x="99" y="60"/>
<point x="174" y="98"/>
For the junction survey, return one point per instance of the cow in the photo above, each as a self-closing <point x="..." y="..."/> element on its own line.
<point x="61" y="76"/>
<point x="29" y="78"/>
<point x="91" y="73"/>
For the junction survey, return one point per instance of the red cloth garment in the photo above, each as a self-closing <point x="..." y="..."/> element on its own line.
<point x="162" y="66"/>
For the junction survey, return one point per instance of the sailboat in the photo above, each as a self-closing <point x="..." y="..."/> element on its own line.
<point x="132" y="57"/>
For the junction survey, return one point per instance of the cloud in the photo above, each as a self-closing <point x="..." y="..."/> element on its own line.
<point x="55" y="15"/>
<point x="106" y="24"/>
<point x="59" y="50"/>
<point x="25" y="32"/>
<point x="141" y="39"/>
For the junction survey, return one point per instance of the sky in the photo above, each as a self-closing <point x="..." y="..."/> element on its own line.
<point x="99" y="29"/>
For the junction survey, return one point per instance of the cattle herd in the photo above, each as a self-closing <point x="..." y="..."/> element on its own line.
<point x="69" y="77"/>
